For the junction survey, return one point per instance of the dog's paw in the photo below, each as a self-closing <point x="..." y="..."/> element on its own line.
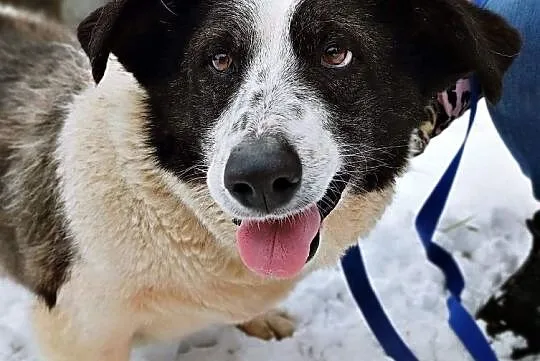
<point x="272" y="325"/>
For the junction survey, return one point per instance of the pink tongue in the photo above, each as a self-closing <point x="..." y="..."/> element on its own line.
<point x="278" y="248"/>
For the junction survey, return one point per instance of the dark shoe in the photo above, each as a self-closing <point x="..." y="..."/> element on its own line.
<point x="516" y="308"/>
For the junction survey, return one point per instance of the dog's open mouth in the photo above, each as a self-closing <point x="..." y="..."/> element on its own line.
<point x="281" y="248"/>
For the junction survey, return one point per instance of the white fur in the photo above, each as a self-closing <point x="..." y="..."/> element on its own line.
<point x="273" y="73"/>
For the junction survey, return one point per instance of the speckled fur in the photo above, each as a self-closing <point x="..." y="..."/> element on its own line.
<point x="34" y="89"/>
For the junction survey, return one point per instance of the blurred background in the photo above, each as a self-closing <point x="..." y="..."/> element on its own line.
<point x="69" y="11"/>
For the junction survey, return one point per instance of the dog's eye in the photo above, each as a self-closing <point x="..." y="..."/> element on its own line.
<point x="221" y="62"/>
<point x="336" y="57"/>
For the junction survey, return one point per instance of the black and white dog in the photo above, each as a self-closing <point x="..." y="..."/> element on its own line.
<point x="210" y="153"/>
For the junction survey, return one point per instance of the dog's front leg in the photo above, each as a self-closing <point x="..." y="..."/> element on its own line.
<point x="274" y="324"/>
<point x="62" y="336"/>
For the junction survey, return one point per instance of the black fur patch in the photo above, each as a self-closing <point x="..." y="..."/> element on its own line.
<point x="375" y="106"/>
<point x="404" y="52"/>
<point x="169" y="50"/>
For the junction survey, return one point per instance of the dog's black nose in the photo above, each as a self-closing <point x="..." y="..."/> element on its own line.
<point x="263" y="174"/>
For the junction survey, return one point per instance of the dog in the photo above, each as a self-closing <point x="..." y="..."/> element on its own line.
<point x="187" y="163"/>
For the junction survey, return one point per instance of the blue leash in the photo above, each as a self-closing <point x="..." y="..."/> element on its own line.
<point x="461" y="322"/>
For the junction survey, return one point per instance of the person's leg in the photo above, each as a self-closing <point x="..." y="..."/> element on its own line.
<point x="515" y="307"/>
<point x="517" y="115"/>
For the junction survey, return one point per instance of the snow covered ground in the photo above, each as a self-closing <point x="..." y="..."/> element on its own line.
<point x="483" y="226"/>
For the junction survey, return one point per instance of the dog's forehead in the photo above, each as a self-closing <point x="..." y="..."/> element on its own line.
<point x="275" y="15"/>
<point x="268" y="17"/>
<point x="269" y="21"/>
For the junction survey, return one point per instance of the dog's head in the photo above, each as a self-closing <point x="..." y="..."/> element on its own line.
<point x="292" y="117"/>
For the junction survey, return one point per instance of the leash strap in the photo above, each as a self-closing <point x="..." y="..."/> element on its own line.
<point x="461" y="322"/>
<point x="374" y="314"/>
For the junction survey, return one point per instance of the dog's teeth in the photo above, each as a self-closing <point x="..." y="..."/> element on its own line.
<point x="238" y="222"/>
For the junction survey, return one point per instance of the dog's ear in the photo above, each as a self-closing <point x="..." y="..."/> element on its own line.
<point x="137" y="32"/>
<point x="95" y="33"/>
<point x="441" y="41"/>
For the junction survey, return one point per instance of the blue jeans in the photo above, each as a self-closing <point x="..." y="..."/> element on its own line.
<point x="517" y="115"/>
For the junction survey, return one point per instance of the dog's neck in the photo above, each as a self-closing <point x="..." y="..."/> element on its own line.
<point x="110" y="181"/>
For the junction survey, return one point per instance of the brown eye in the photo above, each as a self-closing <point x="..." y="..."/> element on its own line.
<point x="221" y="62"/>
<point x="336" y="57"/>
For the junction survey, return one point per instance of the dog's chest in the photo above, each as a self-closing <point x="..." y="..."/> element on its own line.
<point x="175" y="279"/>
<point x="174" y="272"/>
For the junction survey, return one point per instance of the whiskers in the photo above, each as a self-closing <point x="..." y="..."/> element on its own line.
<point x="168" y="8"/>
<point x="362" y="159"/>
<point x="195" y="173"/>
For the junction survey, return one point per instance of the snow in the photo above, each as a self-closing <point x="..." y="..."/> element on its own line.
<point x="483" y="226"/>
